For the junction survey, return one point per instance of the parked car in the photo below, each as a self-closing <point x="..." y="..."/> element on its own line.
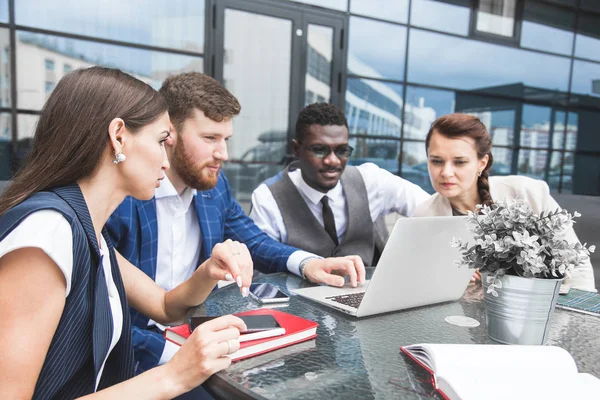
<point x="257" y="164"/>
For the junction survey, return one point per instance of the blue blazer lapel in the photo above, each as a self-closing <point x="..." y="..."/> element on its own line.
<point x="103" y="325"/>
<point x="149" y="237"/>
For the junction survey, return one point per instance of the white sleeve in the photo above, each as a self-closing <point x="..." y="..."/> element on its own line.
<point x="582" y="277"/>
<point x="168" y="352"/>
<point x="49" y="231"/>
<point x="266" y="215"/>
<point x="388" y="192"/>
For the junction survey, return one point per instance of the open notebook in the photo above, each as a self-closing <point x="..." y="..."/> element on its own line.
<point x="480" y="371"/>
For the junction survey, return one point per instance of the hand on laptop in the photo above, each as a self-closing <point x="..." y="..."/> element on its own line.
<point x="333" y="270"/>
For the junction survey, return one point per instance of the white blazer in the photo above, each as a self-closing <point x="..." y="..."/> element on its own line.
<point x="535" y="192"/>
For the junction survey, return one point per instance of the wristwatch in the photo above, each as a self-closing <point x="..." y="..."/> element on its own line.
<point x="303" y="265"/>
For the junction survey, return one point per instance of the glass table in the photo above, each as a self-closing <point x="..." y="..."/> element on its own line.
<point x="360" y="358"/>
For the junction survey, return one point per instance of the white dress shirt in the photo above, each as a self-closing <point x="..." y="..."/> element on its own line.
<point x="386" y="193"/>
<point x="179" y="243"/>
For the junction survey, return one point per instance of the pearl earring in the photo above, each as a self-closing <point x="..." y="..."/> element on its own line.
<point x="479" y="174"/>
<point x="119" y="157"/>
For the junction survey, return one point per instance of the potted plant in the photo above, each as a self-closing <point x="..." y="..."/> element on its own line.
<point x="522" y="258"/>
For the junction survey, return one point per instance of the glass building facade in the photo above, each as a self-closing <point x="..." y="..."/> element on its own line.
<point x="530" y="69"/>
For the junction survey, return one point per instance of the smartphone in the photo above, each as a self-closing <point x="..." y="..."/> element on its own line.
<point x="247" y="336"/>
<point x="196" y="321"/>
<point x="267" y="293"/>
<point x="258" y="323"/>
<point x="254" y="323"/>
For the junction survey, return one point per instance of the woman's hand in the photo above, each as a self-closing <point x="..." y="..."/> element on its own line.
<point x="476" y="276"/>
<point x="203" y="353"/>
<point x="230" y="261"/>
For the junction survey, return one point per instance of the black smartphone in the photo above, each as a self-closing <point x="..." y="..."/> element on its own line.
<point x="196" y="321"/>
<point x="257" y="323"/>
<point x="267" y="293"/>
<point x="254" y="323"/>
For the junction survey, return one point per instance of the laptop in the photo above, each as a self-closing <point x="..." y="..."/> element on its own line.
<point x="416" y="268"/>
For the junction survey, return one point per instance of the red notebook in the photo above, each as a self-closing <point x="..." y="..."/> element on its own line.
<point x="297" y="330"/>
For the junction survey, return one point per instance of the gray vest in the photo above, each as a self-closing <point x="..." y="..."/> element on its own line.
<point x="305" y="232"/>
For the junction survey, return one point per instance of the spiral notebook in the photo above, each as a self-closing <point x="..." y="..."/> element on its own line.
<point x="580" y="301"/>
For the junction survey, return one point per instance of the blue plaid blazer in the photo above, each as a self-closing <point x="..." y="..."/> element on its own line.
<point x="133" y="229"/>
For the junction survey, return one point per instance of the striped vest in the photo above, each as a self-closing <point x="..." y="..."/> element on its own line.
<point x="82" y="338"/>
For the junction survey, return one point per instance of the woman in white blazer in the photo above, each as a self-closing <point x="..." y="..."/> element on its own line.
<point x="459" y="157"/>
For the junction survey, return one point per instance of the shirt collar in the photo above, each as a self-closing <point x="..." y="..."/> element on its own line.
<point x="312" y="194"/>
<point x="166" y="189"/>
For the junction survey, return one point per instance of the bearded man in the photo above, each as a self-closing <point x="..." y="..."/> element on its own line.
<point x="193" y="210"/>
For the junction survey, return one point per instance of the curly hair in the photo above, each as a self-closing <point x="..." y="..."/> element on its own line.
<point x="463" y="125"/>
<point x="192" y="90"/>
<point x="320" y="114"/>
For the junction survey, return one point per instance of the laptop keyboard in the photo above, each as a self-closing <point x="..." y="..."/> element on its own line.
<point x="350" y="300"/>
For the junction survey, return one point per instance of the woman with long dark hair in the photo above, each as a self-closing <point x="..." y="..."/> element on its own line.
<point x="64" y="292"/>
<point x="459" y="158"/>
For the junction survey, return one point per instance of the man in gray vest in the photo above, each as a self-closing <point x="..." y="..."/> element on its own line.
<point x="318" y="203"/>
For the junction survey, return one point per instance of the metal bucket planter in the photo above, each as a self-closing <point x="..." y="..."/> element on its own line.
<point x="521" y="312"/>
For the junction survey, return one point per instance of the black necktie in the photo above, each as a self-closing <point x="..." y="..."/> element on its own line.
<point x="328" y="221"/>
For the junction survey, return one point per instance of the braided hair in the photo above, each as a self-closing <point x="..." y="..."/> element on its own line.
<point x="462" y="125"/>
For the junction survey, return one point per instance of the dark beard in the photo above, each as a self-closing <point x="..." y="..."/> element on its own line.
<point x="191" y="174"/>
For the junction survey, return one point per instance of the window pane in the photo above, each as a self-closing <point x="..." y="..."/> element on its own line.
<point x="423" y="106"/>
<point x="591" y="5"/>
<point x="502" y="161"/>
<point x="496" y="17"/>
<point x="440" y="16"/>
<point x="383" y="152"/>
<point x="373" y="107"/>
<point x="532" y="163"/>
<point x="263" y="42"/>
<point x="318" y="68"/>
<point x="5" y="146"/>
<point x="414" y="165"/>
<point x="547" y="28"/>
<point x="587" y="123"/>
<point x="587" y="44"/>
<point x="172" y="24"/>
<point x="570" y="121"/>
<point x="26" y="129"/>
<point x="3" y="10"/>
<point x="5" y="81"/>
<point x="396" y="11"/>
<point x="535" y="126"/>
<point x="586" y="174"/>
<point x="558" y="130"/>
<point x="586" y="78"/>
<point x="554" y="171"/>
<point x="568" y="172"/>
<point x="42" y="58"/>
<point x="497" y="114"/>
<point x="341" y="5"/>
<point x="571" y="3"/>
<point x="386" y="60"/>
<point x="499" y="123"/>
<point x="573" y="127"/>
<point x="440" y="60"/>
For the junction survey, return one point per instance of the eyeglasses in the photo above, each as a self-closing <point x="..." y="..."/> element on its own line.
<point x="322" y="151"/>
